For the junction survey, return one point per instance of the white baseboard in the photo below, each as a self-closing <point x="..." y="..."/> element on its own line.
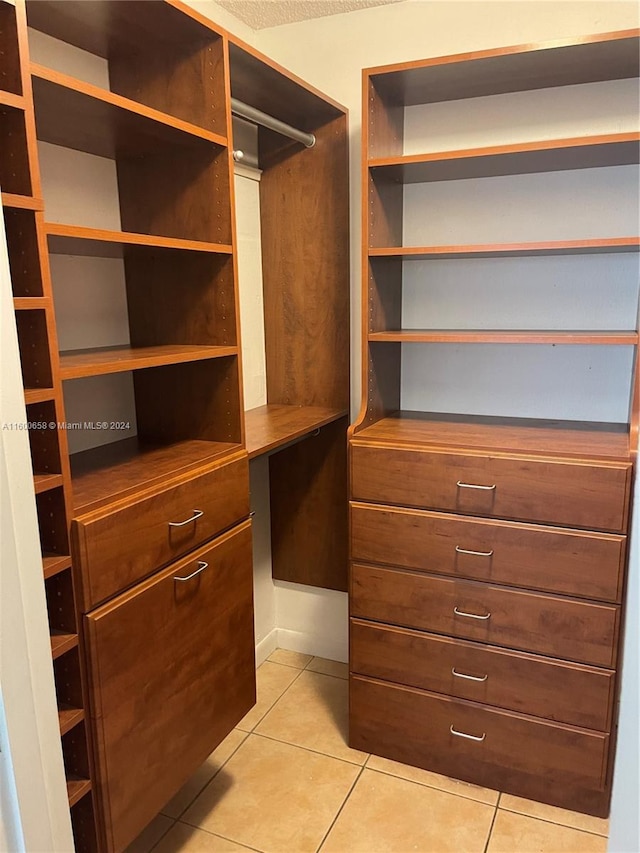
<point x="320" y="645"/>
<point x="267" y="645"/>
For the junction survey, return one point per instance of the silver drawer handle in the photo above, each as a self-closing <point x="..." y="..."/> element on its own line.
<point x="197" y="513"/>
<point x="468" y="737"/>
<point x="460" y="550"/>
<point x="202" y="566"/>
<point x="473" y="486"/>
<point x="469" y="677"/>
<point x="470" y="615"/>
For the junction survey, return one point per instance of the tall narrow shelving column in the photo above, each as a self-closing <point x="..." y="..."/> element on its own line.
<point x="24" y="222"/>
<point x="491" y="463"/>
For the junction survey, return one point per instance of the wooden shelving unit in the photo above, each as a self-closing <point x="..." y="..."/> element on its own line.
<point x="22" y="208"/>
<point x="453" y="509"/>
<point x="269" y="428"/>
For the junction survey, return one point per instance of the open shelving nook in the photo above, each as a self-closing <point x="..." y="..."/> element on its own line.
<point x="500" y="333"/>
<point x="304" y="230"/>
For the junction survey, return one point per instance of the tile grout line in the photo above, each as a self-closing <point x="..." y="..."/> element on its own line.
<point x="219" y="835"/>
<point x="493" y="820"/>
<point x="308" y="749"/>
<point x="555" y="822"/>
<point x="164" y="834"/>
<point x="339" y="812"/>
<point x="272" y="706"/>
<point x="433" y="787"/>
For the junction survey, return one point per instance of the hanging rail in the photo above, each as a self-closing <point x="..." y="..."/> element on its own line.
<point x="256" y="116"/>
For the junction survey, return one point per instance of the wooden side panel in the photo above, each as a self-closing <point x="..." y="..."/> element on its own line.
<point x="154" y="731"/>
<point x="14" y="161"/>
<point x="308" y="484"/>
<point x="24" y="256"/>
<point x="385" y="122"/>
<point x="305" y="253"/>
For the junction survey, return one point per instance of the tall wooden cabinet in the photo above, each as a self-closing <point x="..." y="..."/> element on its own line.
<point x="488" y="544"/>
<point x="141" y="466"/>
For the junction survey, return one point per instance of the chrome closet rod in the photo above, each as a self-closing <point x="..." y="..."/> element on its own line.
<point x="252" y="114"/>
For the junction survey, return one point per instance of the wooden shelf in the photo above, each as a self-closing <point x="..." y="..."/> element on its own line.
<point x="76" y="364"/>
<point x="606" y="56"/>
<point x="271" y="427"/>
<point x="38" y="395"/>
<point x="69" y="718"/>
<point x="9" y="99"/>
<point x="30" y="303"/>
<point x="76" y="789"/>
<point x="23" y="202"/>
<point x="96" y="242"/>
<point x="77" y="115"/>
<point x="503" y="435"/>
<point x="615" y="149"/>
<point x="53" y="564"/>
<point x="46" y="482"/>
<point x="61" y="643"/>
<point x="610" y="245"/>
<point x="115" y="470"/>
<point x="493" y="336"/>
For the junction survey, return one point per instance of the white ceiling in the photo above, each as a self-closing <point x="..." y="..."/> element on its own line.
<point x="261" y="14"/>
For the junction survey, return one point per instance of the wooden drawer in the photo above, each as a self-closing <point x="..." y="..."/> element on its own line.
<point x="119" y="546"/>
<point x="542" y="687"/>
<point x="508" y="749"/>
<point x="588" y="565"/>
<point x="171" y="673"/>
<point x="547" y="624"/>
<point x="563" y="492"/>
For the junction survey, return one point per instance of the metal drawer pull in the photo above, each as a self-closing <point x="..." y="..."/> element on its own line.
<point x="469" y="737"/>
<point x="202" y="566"/>
<point x="470" y="677"/>
<point x="473" y="486"/>
<point x="470" y="615"/>
<point x="197" y="513"/>
<point x="460" y="550"/>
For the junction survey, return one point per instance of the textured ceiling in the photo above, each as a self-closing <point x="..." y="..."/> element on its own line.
<point x="261" y="14"/>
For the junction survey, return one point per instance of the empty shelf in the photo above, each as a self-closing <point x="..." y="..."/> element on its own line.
<point x="96" y="242"/>
<point x="607" y="245"/>
<point x="97" y="362"/>
<point x="270" y="427"/>
<point x="505" y="336"/>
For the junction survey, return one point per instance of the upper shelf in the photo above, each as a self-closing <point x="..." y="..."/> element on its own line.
<point x="81" y="116"/>
<point x="616" y="149"/>
<point x="268" y="428"/>
<point x="96" y="242"/>
<point x="77" y="364"/>
<point x="505" y="336"/>
<point x="607" y="56"/>
<point x="502" y="435"/>
<point x="509" y="250"/>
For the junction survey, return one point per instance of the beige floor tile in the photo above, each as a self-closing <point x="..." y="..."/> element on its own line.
<point x="313" y="713"/>
<point x="187" y="839"/>
<point x="433" y="780"/>
<point x="289" y="658"/>
<point x="272" y="680"/>
<point x="329" y="667"/>
<point x="150" y="836"/>
<point x="555" y="815"/>
<point x="385" y="813"/>
<point x="274" y="797"/>
<point x="514" y="832"/>
<point x="203" y="775"/>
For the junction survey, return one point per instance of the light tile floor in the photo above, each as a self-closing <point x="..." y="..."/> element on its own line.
<point x="285" y="781"/>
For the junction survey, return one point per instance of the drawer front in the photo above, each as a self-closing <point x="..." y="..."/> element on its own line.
<point x="571" y="630"/>
<point x="119" y="547"/>
<point x="566" y="493"/>
<point x="172" y="672"/>
<point x="416" y="727"/>
<point x="587" y="565"/>
<point x="528" y="684"/>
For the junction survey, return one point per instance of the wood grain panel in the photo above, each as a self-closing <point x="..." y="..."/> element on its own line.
<point x="607" y="245"/>
<point x="102" y="539"/>
<point x="269" y="427"/>
<point x="199" y="631"/>
<point x="24" y="255"/>
<point x="506" y="336"/>
<point x="552" y="559"/>
<point x="10" y="78"/>
<point x="308" y="488"/>
<point x="305" y="252"/>
<point x="545" y="624"/>
<point x="542" y="687"/>
<point x="563" y="492"/>
<point x="519" y="755"/>
<point x="15" y="174"/>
